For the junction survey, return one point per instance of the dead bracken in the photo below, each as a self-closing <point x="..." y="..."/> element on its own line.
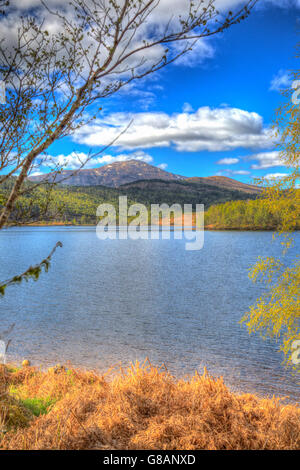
<point x="141" y="407"/>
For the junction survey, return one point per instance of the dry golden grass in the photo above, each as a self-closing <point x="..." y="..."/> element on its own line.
<point x="140" y="408"/>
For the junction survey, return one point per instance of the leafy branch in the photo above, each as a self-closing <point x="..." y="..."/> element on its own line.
<point x="33" y="272"/>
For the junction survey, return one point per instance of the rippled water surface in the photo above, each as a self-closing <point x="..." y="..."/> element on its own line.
<point x="105" y="302"/>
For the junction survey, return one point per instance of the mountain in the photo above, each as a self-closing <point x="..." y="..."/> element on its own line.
<point x="118" y="174"/>
<point x="113" y="175"/>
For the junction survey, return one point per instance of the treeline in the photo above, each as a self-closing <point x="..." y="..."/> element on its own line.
<point x="181" y="192"/>
<point x="77" y="205"/>
<point x="246" y="215"/>
<point x="60" y="205"/>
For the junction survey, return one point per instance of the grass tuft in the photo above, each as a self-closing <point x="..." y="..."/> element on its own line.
<point x="38" y="406"/>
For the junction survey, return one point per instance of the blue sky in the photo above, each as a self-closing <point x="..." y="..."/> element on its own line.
<point x="208" y="114"/>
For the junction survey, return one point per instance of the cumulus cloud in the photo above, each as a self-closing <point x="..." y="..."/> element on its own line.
<point x="162" y="166"/>
<point x="281" y="81"/>
<point x="75" y="160"/>
<point x="227" y="161"/>
<point x="208" y="129"/>
<point x="265" y="160"/>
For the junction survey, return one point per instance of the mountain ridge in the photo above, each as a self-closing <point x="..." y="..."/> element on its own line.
<point x="120" y="174"/>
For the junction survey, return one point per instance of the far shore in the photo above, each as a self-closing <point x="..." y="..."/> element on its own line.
<point x="209" y="227"/>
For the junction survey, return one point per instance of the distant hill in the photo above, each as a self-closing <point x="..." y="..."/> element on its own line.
<point x="184" y="191"/>
<point x="118" y="174"/>
<point x="225" y="182"/>
<point x="113" y="175"/>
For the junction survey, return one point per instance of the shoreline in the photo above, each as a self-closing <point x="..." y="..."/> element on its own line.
<point x="206" y="228"/>
<point x="113" y="370"/>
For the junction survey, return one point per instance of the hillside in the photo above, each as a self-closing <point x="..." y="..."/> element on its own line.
<point x="181" y="192"/>
<point x="225" y="182"/>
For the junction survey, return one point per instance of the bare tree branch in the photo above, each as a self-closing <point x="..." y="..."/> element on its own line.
<point x="55" y="80"/>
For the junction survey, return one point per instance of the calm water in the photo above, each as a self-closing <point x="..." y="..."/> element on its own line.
<point x="106" y="302"/>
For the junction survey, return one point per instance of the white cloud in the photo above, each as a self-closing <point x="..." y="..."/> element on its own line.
<point x="137" y="92"/>
<point x="162" y="14"/>
<point x="201" y="51"/>
<point x="162" y="166"/>
<point x="208" y="129"/>
<point x="271" y="176"/>
<point x="236" y="172"/>
<point x="164" y="8"/>
<point x="72" y="161"/>
<point x="227" y="161"/>
<point x="266" y="160"/>
<point x="187" y="108"/>
<point x="232" y="173"/>
<point x="75" y="159"/>
<point x="281" y="81"/>
<point x="165" y="12"/>
<point x="240" y="172"/>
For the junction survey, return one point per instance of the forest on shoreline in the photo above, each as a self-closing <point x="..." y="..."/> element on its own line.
<point x="77" y="205"/>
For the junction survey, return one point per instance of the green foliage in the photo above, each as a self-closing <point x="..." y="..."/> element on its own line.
<point x="250" y="215"/>
<point x="277" y="312"/>
<point x="33" y="272"/>
<point x="38" y="406"/>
